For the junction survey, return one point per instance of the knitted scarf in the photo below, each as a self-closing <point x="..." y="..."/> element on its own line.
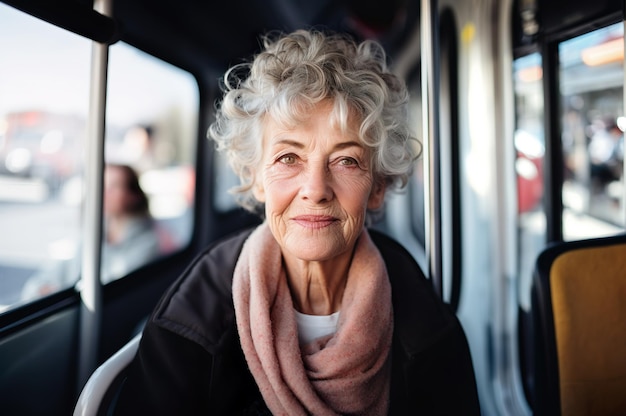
<point x="344" y="373"/>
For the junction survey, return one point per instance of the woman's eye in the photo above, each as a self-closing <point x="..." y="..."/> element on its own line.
<point x="348" y="161"/>
<point x="287" y="159"/>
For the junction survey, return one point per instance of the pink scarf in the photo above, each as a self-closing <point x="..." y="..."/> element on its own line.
<point x="345" y="373"/>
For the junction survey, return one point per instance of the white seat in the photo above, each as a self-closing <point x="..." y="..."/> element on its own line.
<point x="98" y="384"/>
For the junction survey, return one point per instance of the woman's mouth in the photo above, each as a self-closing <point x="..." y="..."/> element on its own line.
<point x="314" y="221"/>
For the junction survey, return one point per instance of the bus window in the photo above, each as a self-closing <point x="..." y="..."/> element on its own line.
<point x="150" y="136"/>
<point x="416" y="182"/>
<point x="151" y="129"/>
<point x="529" y="166"/>
<point x="404" y="213"/>
<point x="44" y="96"/>
<point x="591" y="86"/>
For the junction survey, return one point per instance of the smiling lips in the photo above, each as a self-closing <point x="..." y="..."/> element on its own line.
<point x="315" y="221"/>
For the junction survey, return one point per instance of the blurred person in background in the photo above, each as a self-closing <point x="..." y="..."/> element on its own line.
<point x="606" y="154"/>
<point x="130" y="237"/>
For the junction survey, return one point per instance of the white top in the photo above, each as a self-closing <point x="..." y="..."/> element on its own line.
<point x="311" y="327"/>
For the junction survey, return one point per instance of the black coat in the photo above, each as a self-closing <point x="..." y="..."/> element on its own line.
<point x="190" y="361"/>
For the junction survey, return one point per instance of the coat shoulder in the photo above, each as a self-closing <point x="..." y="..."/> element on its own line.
<point x="199" y="306"/>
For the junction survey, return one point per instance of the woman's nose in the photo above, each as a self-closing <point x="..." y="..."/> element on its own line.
<point x="316" y="183"/>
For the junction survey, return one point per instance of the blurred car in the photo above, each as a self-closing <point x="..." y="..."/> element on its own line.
<point x="529" y="169"/>
<point x="40" y="145"/>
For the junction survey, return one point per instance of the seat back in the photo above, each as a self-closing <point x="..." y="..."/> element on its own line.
<point x="100" y="391"/>
<point x="579" y="314"/>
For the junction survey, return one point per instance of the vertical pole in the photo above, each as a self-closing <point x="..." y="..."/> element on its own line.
<point x="90" y="287"/>
<point x="429" y="31"/>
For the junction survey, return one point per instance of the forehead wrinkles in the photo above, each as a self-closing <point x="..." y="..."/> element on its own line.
<point x="341" y="115"/>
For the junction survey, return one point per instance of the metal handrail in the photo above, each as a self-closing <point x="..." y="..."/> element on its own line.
<point x="429" y="39"/>
<point x="91" y="288"/>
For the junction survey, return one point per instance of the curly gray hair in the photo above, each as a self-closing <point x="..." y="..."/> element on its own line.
<point x="291" y="75"/>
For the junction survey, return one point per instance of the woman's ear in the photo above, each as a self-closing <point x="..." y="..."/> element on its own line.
<point x="258" y="191"/>
<point x="377" y="195"/>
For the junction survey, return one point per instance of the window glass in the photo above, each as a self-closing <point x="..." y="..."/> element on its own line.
<point x="149" y="147"/>
<point x="151" y="134"/>
<point x="225" y="180"/>
<point x="529" y="166"/>
<point x="44" y="87"/>
<point x="409" y="202"/>
<point x="591" y="87"/>
<point x="531" y="217"/>
<point x="416" y="181"/>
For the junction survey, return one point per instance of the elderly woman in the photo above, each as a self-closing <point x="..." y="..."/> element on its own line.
<point x="310" y="313"/>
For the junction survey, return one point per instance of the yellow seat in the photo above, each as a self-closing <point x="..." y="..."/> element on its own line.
<point x="579" y="314"/>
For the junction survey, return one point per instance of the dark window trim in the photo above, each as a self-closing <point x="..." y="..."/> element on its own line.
<point x="72" y="16"/>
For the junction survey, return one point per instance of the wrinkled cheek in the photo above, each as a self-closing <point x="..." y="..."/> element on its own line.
<point x="354" y="201"/>
<point x="279" y="194"/>
<point x="353" y="227"/>
<point x="277" y="225"/>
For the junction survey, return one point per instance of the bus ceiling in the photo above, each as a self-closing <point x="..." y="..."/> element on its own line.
<point x="192" y="36"/>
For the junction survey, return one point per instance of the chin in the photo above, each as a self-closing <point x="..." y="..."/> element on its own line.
<point x="318" y="250"/>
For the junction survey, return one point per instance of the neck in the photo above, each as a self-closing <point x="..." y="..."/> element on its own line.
<point x="317" y="286"/>
<point x="116" y="226"/>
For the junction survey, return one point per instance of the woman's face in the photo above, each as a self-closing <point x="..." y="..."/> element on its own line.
<point x="116" y="195"/>
<point x="317" y="183"/>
